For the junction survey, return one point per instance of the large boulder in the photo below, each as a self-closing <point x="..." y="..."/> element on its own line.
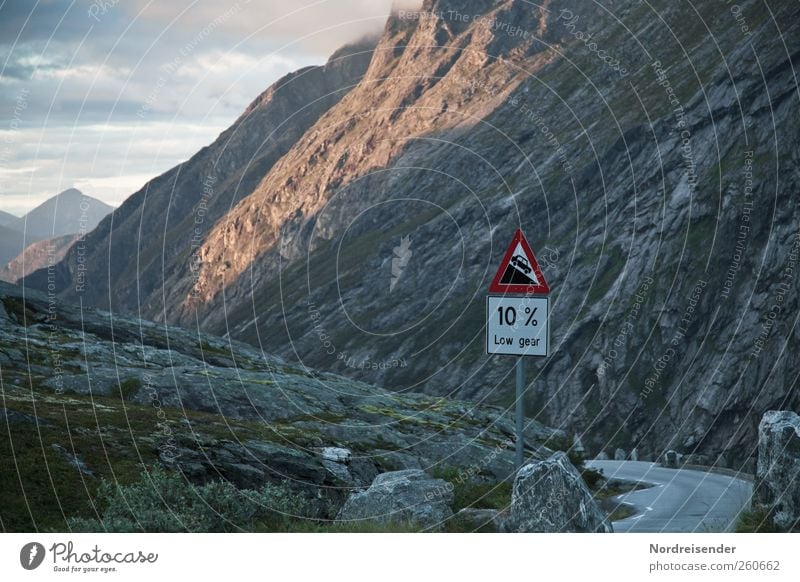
<point x="777" y="486"/>
<point x="550" y="496"/>
<point x="408" y="497"/>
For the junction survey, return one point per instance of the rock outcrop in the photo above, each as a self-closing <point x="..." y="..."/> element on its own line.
<point x="550" y="496"/>
<point x="409" y="497"/>
<point x="213" y="408"/>
<point x="777" y="484"/>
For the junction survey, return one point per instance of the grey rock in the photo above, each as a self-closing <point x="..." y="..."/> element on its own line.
<point x="350" y="469"/>
<point x="550" y="496"/>
<point x="408" y="497"/>
<point x="336" y="454"/>
<point x="14" y="416"/>
<point x="670" y="459"/>
<point x="777" y="486"/>
<point x="577" y="445"/>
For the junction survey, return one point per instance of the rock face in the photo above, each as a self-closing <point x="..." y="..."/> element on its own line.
<point x="660" y="198"/>
<point x="550" y="496"/>
<point x="777" y="486"/>
<point x="409" y="496"/>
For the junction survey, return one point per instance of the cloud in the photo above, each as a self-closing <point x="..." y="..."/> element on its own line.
<point x="107" y="94"/>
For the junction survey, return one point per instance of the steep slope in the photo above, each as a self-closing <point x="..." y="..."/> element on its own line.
<point x="641" y="191"/>
<point x="155" y="232"/>
<point x="68" y="212"/>
<point x="37" y="256"/>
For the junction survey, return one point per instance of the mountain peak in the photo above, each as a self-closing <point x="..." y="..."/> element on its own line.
<point x="68" y="212"/>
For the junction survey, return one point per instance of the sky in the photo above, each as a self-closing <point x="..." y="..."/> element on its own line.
<point x="103" y="95"/>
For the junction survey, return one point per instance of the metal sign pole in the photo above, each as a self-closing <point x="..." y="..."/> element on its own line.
<point x="520" y="416"/>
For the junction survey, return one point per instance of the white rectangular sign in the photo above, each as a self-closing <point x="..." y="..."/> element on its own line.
<point x="517" y="326"/>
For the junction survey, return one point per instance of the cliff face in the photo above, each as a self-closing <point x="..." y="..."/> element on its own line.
<point x="649" y="153"/>
<point x="659" y="199"/>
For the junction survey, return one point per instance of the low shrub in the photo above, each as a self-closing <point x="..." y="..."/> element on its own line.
<point x="162" y="501"/>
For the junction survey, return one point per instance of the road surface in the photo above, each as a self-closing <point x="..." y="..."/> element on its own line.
<point x="680" y="500"/>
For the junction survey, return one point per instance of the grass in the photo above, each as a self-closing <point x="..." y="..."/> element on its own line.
<point x="115" y="439"/>
<point x="19" y="310"/>
<point x="468" y="493"/>
<point x="622" y="511"/>
<point x="757" y="520"/>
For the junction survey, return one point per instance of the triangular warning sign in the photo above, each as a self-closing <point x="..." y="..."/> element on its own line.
<point x="519" y="272"/>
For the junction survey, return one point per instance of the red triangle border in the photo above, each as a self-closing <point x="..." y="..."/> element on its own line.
<point x="496" y="287"/>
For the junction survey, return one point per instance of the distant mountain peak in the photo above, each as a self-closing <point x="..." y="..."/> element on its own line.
<point x="68" y="212"/>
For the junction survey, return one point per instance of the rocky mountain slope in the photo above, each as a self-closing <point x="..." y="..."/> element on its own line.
<point x="154" y="234"/>
<point x="87" y="396"/>
<point x="61" y="218"/>
<point x="647" y="150"/>
<point x="37" y="256"/>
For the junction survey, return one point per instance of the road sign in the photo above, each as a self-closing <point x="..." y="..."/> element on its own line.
<point x="517" y="326"/>
<point x="519" y="272"/>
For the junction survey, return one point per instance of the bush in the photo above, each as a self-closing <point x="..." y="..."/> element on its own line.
<point x="473" y="494"/>
<point x="166" y="502"/>
<point x="593" y="478"/>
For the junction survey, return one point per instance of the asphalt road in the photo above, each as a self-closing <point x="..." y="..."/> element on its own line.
<point x="681" y="500"/>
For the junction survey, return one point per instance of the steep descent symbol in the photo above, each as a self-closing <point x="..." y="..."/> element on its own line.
<point x="519" y="272"/>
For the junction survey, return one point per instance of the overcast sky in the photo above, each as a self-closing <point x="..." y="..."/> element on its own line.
<point x="104" y="95"/>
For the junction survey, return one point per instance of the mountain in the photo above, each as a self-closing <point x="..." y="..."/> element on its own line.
<point x="649" y="157"/>
<point x="89" y="397"/>
<point x="160" y="225"/>
<point x="38" y="255"/>
<point x="5" y="218"/>
<point x="11" y="244"/>
<point x="44" y="234"/>
<point x="69" y="212"/>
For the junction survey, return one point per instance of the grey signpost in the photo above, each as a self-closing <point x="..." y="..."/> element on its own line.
<point x="520" y="413"/>
<point x="517" y="320"/>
